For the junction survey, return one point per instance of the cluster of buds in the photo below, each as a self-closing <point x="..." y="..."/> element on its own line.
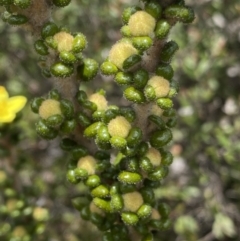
<point x="124" y="155"/>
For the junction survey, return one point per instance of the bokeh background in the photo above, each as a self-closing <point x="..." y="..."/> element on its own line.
<point x="203" y="187"/>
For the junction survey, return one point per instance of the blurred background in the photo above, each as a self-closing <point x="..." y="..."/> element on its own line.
<point x="203" y="187"/>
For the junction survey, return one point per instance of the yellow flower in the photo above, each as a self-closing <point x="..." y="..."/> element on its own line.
<point x="10" y="106"/>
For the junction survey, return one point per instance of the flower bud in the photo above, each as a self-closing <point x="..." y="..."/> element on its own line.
<point x="101" y="191"/>
<point x="161" y="86"/>
<point x="88" y="163"/>
<point x="49" y="108"/>
<point x="88" y="70"/>
<point x="41" y="47"/>
<point x="61" y="70"/>
<point x="64" y="41"/>
<point x="67" y="57"/>
<point x="160" y="138"/>
<point x="129" y="177"/>
<point x="116" y="202"/>
<point x="102" y="204"/>
<point x="154" y="9"/>
<point x="108" y="68"/>
<point x="127" y="12"/>
<point x="17" y="19"/>
<point x="129" y="218"/>
<point x="79" y="43"/>
<point x="129" y="204"/>
<point x="165" y="70"/>
<point x="119" y="126"/>
<point x="93" y="181"/>
<point x="99" y="100"/>
<point x="168" y="51"/>
<point x="144" y="211"/>
<point x="154" y="156"/>
<point x="164" y="103"/>
<point x="162" y="29"/>
<point x="134" y="95"/>
<point x="49" y="29"/>
<point x="141" y="24"/>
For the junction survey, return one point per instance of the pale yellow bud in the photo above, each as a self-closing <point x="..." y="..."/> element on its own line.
<point x="132" y="201"/>
<point x="99" y="100"/>
<point x="160" y="85"/>
<point x="120" y="52"/>
<point x="88" y="163"/>
<point x="94" y="209"/>
<point x="48" y="108"/>
<point x="141" y="24"/>
<point x="155" y="214"/>
<point x="154" y="156"/>
<point x="40" y="214"/>
<point x="119" y="126"/>
<point x="64" y="41"/>
<point x="19" y="232"/>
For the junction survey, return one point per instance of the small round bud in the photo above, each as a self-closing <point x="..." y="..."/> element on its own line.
<point x="101" y="191"/>
<point x="41" y="47"/>
<point x="78" y="152"/>
<point x="127" y="12"/>
<point x="161" y="86"/>
<point x="67" y="57"/>
<point x="118" y="142"/>
<point x="88" y="70"/>
<point x="91" y="131"/>
<point x="141" y="24"/>
<point x="93" y="181"/>
<point x="103" y="135"/>
<point x="164" y="210"/>
<point x="169" y="49"/>
<point x="102" y="204"/>
<point x="134" y="137"/>
<point x="131" y="61"/>
<point x="61" y="3"/>
<point x="144" y="211"/>
<point x="167" y="158"/>
<point x="68" y="126"/>
<point x="80" y="173"/>
<point x="49" y="108"/>
<point x="154" y="9"/>
<point x="164" y="103"/>
<point x="165" y="70"/>
<point x="49" y="29"/>
<point x="140" y="78"/>
<point x="116" y="202"/>
<point x="94" y="209"/>
<point x="128" y="113"/>
<point x="45" y="131"/>
<point x="83" y="119"/>
<point x="119" y="126"/>
<point x="134" y="95"/>
<point x="61" y="70"/>
<point x="154" y="156"/>
<point x="71" y="177"/>
<point x="129" y="204"/>
<point x="67" y="108"/>
<point x="108" y="68"/>
<point x="162" y="29"/>
<point x="40" y="214"/>
<point x="142" y="43"/>
<point x="88" y="163"/>
<point x="146" y="164"/>
<point x="120" y="52"/>
<point x="160" y="138"/>
<point x="79" y="43"/>
<point x="54" y="120"/>
<point x="67" y="144"/>
<point x="99" y="100"/>
<point x="129" y="177"/>
<point x="36" y="103"/>
<point x="125" y="31"/>
<point x="64" y="41"/>
<point x="17" y="19"/>
<point x="148" y="195"/>
<point x="129" y="218"/>
<point x="158" y="174"/>
<point x="157" y="120"/>
<point x="22" y="3"/>
<point x="123" y="78"/>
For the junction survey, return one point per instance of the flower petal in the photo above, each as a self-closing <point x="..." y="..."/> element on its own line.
<point x="16" y="103"/>
<point x="7" y="117"/>
<point x="3" y="93"/>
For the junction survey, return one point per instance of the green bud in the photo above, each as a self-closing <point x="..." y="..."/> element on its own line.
<point x="118" y="142"/>
<point x="49" y="29"/>
<point x="129" y="177"/>
<point x="80" y="202"/>
<point x="170" y="113"/>
<point x="71" y="177"/>
<point x="164" y="103"/>
<point x="54" y="94"/>
<point x="172" y="122"/>
<point x="134" y="95"/>
<point x="93" y="181"/>
<point x="145" y="164"/>
<point x="127" y="12"/>
<point x="97" y="115"/>
<point x="78" y="152"/>
<point x="61" y="3"/>
<point x="61" y="70"/>
<point x="67" y="57"/>
<point x="142" y="149"/>
<point x="160" y="138"/>
<point x="79" y="43"/>
<point x="142" y="43"/>
<point x="67" y="144"/>
<point x="158" y="174"/>
<point x="96" y="218"/>
<point x="157" y="120"/>
<point x="148" y="195"/>
<point x="36" y="103"/>
<point x="83" y="119"/>
<point x="169" y="49"/>
<point x="154" y="9"/>
<point x="144" y="211"/>
<point x="164" y="210"/>
<point x="85" y="213"/>
<point x="116" y="202"/>
<point x="125" y="31"/>
<point x="44" y="131"/>
<point x="167" y="158"/>
<point x="129" y="218"/>
<point x="88" y="70"/>
<point x="17" y="19"/>
<point x="22" y="3"/>
<point x="103" y="135"/>
<point x="134" y="136"/>
<point x="149" y="93"/>
<point x="128" y="113"/>
<point x="101" y="191"/>
<point x="80" y="173"/>
<point x="91" y="131"/>
<point x="131" y="61"/>
<point x="162" y="224"/>
<point x="180" y="13"/>
<point x="108" y="68"/>
<point x="140" y="78"/>
<point x="162" y="29"/>
<point x="132" y="164"/>
<point x="102" y="204"/>
<point x="54" y="120"/>
<point x="110" y="114"/>
<point x="51" y="42"/>
<point x="130" y="151"/>
<point x="41" y="47"/>
<point x="68" y="126"/>
<point x="165" y="70"/>
<point x="123" y="78"/>
<point x="126" y="188"/>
